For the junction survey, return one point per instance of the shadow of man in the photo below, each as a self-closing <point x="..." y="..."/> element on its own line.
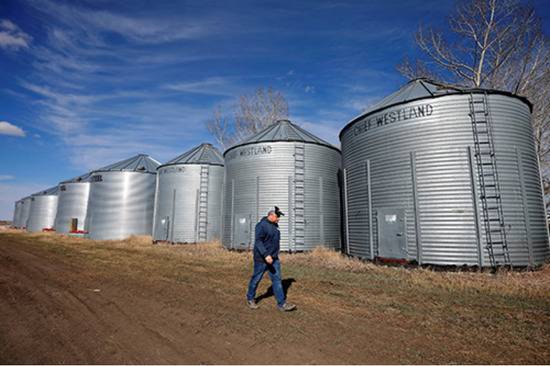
<point x="287" y="282"/>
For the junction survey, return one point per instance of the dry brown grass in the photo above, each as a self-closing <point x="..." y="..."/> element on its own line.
<point x="534" y="283"/>
<point x="330" y="259"/>
<point x="525" y="283"/>
<point x="8" y="229"/>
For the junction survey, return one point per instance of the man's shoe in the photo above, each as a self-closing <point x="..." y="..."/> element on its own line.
<point x="252" y="304"/>
<point x="287" y="307"/>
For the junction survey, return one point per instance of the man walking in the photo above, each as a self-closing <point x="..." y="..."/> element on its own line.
<point x="266" y="258"/>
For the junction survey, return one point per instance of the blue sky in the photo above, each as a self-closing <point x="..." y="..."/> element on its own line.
<point x="84" y="84"/>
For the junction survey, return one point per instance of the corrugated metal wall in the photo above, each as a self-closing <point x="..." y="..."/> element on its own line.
<point x="215" y="201"/>
<point x="176" y="202"/>
<point x="19" y="217"/>
<point x="16" y="214"/>
<point x="25" y="212"/>
<point x="261" y="176"/>
<point x="120" y="205"/>
<point x="43" y="209"/>
<point x="425" y="167"/>
<point x="73" y="204"/>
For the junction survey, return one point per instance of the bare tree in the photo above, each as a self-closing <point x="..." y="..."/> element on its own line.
<point x="252" y="114"/>
<point x="220" y="127"/>
<point x="492" y="44"/>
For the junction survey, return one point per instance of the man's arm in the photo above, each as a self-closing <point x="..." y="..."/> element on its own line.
<point x="259" y="240"/>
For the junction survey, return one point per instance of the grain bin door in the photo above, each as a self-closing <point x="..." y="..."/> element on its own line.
<point x="391" y="233"/>
<point x="242" y="238"/>
<point x="165" y="228"/>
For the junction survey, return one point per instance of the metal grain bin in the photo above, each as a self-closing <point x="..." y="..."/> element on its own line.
<point x="288" y="167"/>
<point x="43" y="208"/>
<point x="25" y="212"/>
<point x="16" y="214"/>
<point x="72" y="204"/>
<point x="188" y="199"/>
<point x="121" y="199"/>
<point x="444" y="176"/>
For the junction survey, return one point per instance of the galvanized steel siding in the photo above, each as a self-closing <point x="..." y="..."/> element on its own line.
<point x="256" y="183"/>
<point x="120" y="205"/>
<point x="177" y="197"/>
<point x="42" y="213"/>
<point x="446" y="209"/>
<point x="25" y="212"/>
<point x="215" y="199"/>
<point x="523" y="201"/>
<point x="16" y="214"/>
<point x="73" y="203"/>
<point x="322" y="197"/>
<point x="431" y="154"/>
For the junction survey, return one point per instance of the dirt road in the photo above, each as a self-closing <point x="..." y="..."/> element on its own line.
<point x="77" y="301"/>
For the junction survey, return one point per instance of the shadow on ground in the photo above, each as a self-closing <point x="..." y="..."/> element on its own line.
<point x="287" y="282"/>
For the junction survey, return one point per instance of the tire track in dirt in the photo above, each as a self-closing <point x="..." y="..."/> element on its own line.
<point x="58" y="319"/>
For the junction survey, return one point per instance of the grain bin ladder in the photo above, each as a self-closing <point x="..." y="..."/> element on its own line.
<point x="490" y="195"/>
<point x="203" y="204"/>
<point x="299" y="196"/>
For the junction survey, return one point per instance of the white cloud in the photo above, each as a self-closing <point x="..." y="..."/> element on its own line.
<point x="12" y="37"/>
<point x="6" y="177"/>
<point x="7" y="128"/>
<point x="138" y="29"/>
<point x="208" y="86"/>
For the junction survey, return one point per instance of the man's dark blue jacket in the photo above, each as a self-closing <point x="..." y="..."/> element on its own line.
<point x="266" y="240"/>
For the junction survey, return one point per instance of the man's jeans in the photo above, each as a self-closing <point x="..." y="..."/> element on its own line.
<point x="274" y="273"/>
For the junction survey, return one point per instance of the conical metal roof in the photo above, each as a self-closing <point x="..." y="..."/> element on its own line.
<point x="81" y="178"/>
<point x="283" y="130"/>
<point x="414" y="89"/>
<point x="422" y="89"/>
<point x="202" y="154"/>
<point x="47" y="192"/>
<point x="140" y="163"/>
